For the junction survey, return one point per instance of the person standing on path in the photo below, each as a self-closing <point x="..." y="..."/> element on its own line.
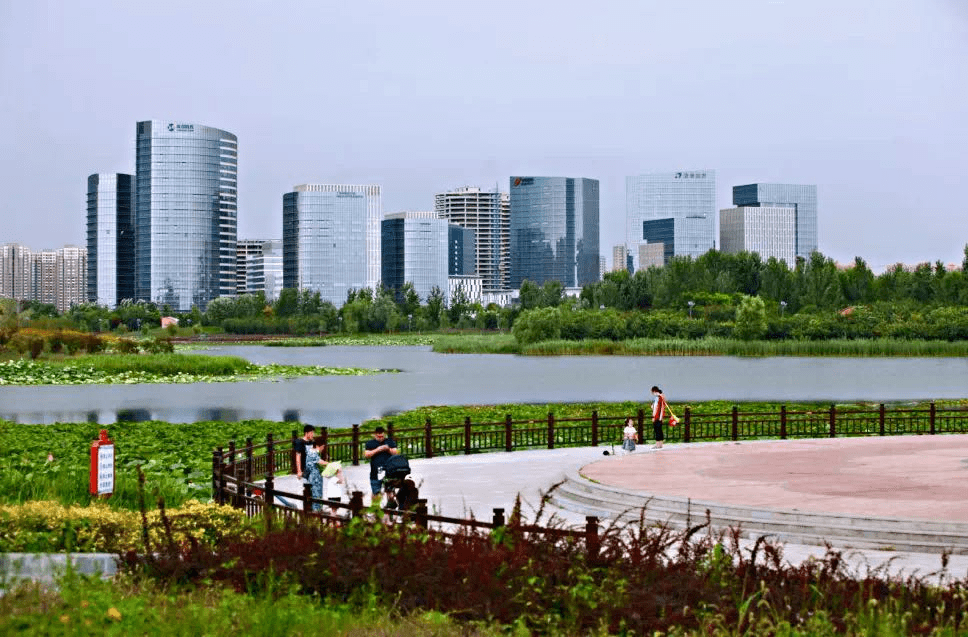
<point x="659" y="407"/>
<point x="378" y="451"/>
<point x="301" y="445"/>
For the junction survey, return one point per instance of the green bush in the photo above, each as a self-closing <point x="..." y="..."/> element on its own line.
<point x="541" y="324"/>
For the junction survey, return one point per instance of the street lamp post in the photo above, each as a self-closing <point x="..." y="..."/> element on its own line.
<point x="409" y="322"/>
<point x="691" y="304"/>
<point x="783" y="305"/>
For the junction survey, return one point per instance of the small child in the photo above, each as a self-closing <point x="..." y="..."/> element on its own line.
<point x="629" y="436"/>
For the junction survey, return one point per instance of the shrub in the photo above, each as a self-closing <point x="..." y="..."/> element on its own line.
<point x="750" y="318"/>
<point x="50" y="527"/>
<point x="126" y="346"/>
<point x="159" y="346"/>
<point x="536" y="325"/>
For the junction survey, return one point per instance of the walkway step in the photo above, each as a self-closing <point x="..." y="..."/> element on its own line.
<point x="583" y="496"/>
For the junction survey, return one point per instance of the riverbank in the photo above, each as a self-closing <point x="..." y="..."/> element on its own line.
<point x="126" y="369"/>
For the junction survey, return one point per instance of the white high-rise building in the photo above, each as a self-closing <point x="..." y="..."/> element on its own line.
<point x="680" y="207"/>
<point x="488" y="214"/>
<point x="768" y="231"/>
<point x="331" y="239"/>
<point x="372" y="205"/>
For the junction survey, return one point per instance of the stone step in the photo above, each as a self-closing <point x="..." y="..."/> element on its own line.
<point x="583" y="496"/>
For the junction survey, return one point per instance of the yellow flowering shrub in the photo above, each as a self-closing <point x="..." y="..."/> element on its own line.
<point x="50" y="527"/>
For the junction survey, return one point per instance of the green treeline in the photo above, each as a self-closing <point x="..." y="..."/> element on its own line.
<point x="718" y="295"/>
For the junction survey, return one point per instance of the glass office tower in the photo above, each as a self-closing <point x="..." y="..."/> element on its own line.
<point x="326" y="243"/>
<point x="677" y="195"/>
<point x="110" y="238"/>
<point x="554" y="230"/>
<point x="415" y="251"/>
<point x="185" y="214"/>
<point x="803" y="200"/>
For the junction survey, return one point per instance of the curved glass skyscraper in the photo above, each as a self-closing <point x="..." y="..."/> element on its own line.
<point x="186" y="214"/>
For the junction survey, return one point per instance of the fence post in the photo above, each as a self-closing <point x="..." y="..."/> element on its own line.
<point x="687" y="425"/>
<point x="324" y="432"/>
<point x="234" y="472"/>
<point x="508" y="440"/>
<point x="270" y="499"/>
<point x="292" y="452"/>
<point x="595" y="428"/>
<point x="497" y="521"/>
<point x="307" y="497"/>
<point x="356" y="504"/>
<point x="356" y="445"/>
<point x="933" y="413"/>
<point x="270" y="455"/>
<point x="881" y="417"/>
<point x="833" y="421"/>
<point x="783" y="422"/>
<point x="428" y="439"/>
<point x="641" y="425"/>
<point x="467" y="435"/>
<point x="248" y="463"/>
<point x="592" y="544"/>
<point x="735" y="429"/>
<point x="421" y="513"/>
<point x="551" y="430"/>
<point x="216" y="473"/>
<point x="390" y="429"/>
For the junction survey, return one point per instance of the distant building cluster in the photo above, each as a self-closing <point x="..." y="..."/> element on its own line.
<point x="55" y="277"/>
<point x="168" y="232"/>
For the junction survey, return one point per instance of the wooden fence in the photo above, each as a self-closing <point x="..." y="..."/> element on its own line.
<point x="237" y="468"/>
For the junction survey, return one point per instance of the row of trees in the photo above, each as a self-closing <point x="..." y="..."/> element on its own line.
<point x="811" y="284"/>
<point x="710" y="288"/>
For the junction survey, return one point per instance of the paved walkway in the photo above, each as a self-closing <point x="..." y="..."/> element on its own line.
<point x="474" y="485"/>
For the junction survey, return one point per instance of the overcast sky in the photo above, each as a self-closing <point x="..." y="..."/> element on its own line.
<point x="864" y="98"/>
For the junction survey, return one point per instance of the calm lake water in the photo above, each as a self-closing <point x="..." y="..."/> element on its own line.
<point x="438" y="379"/>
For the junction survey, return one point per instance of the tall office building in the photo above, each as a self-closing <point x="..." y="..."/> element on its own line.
<point x="461" y="251"/>
<point x="263" y="270"/>
<point x="415" y="251"/>
<point x="770" y="232"/>
<point x="110" y="238"/>
<point x="327" y="243"/>
<point x="675" y="195"/>
<point x="554" y="230"/>
<point x="487" y="213"/>
<point x="16" y="271"/>
<point x="245" y="249"/>
<point x="602" y="268"/>
<point x="620" y="256"/>
<point x="801" y="198"/>
<point x="185" y="214"/>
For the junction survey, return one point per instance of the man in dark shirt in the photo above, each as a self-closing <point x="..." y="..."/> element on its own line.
<point x="300" y="446"/>
<point x="378" y="451"/>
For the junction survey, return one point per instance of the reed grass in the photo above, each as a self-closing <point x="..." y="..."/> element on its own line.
<point x="161" y="364"/>
<point x="731" y="347"/>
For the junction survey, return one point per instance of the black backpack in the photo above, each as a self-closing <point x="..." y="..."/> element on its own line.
<point x="397" y="467"/>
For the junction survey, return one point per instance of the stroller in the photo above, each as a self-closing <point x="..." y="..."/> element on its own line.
<point x="401" y="492"/>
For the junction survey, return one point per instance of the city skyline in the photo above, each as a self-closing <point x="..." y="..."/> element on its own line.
<point x="867" y="102"/>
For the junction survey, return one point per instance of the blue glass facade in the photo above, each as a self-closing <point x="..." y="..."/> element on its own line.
<point x="186" y="214"/>
<point x="554" y="230"/>
<point x="415" y="251"/>
<point x="677" y="195"/>
<point x="802" y="198"/>
<point x="461" y="253"/>
<point x="110" y="238"/>
<point x="324" y="242"/>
